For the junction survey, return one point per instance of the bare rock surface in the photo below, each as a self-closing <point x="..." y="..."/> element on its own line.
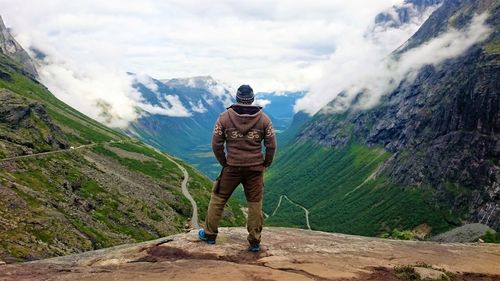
<point x="429" y="273"/>
<point x="465" y="233"/>
<point x="287" y="254"/>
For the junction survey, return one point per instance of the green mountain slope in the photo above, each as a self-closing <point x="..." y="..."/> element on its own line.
<point x="344" y="192"/>
<point x="85" y="186"/>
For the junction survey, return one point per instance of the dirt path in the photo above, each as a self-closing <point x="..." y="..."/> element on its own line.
<point x="372" y="175"/>
<point x="306" y="211"/>
<point x="56" y="151"/>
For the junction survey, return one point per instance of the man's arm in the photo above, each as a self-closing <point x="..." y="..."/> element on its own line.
<point x="218" y="139"/>
<point x="269" y="143"/>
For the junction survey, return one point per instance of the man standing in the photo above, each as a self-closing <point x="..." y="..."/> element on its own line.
<point x="242" y="128"/>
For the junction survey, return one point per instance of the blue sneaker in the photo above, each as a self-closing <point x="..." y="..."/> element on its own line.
<point x="254" y="248"/>
<point x="201" y="234"/>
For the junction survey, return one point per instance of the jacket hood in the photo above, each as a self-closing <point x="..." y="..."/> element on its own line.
<point x="244" y="117"/>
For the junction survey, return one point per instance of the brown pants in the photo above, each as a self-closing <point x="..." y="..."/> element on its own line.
<point x="252" y="179"/>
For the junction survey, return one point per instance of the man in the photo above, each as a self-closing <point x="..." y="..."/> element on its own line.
<point x="242" y="128"/>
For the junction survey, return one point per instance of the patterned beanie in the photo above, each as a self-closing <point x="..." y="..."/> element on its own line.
<point x="245" y="95"/>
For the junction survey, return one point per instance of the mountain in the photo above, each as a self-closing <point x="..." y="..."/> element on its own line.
<point x="186" y="136"/>
<point x="408" y="11"/>
<point x="70" y="184"/>
<point x="10" y="47"/>
<point x="288" y="254"/>
<point x="427" y="156"/>
<point x="199" y="100"/>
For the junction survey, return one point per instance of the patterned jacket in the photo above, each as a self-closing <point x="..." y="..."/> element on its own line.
<point x="243" y="128"/>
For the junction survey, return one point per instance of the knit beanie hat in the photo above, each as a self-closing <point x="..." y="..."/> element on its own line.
<point x="245" y="94"/>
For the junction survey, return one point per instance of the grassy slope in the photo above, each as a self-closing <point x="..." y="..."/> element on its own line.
<point x="321" y="180"/>
<point x="86" y="198"/>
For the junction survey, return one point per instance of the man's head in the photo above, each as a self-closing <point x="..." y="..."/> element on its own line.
<point x="245" y="95"/>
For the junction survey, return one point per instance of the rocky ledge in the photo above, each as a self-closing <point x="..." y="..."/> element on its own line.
<point x="287" y="254"/>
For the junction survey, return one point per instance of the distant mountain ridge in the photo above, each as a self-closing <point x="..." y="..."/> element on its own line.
<point x="189" y="136"/>
<point x="203" y="98"/>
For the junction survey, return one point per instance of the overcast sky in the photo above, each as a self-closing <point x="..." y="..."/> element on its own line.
<point x="323" y="47"/>
<point x="272" y="45"/>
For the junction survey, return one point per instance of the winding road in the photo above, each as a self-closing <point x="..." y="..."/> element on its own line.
<point x="306" y="211"/>
<point x="50" y="152"/>
<point x="185" y="192"/>
<point x="184" y="189"/>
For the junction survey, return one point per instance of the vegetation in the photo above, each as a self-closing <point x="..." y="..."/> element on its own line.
<point x="399" y="234"/>
<point x="408" y="272"/>
<point x="288" y="215"/>
<point x="493" y="48"/>
<point x="491" y="237"/>
<point x="159" y="168"/>
<point x="343" y="192"/>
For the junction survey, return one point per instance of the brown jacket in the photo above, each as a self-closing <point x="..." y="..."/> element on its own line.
<point x="243" y="127"/>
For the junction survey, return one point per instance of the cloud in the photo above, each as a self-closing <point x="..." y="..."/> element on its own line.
<point x="275" y="45"/>
<point x="147" y="82"/>
<point x="369" y="69"/>
<point x="262" y="102"/>
<point x="198" y="107"/>
<point x="170" y="106"/>
<point x="102" y="93"/>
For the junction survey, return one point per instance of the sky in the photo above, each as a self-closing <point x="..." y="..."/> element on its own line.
<point x="318" y="46"/>
<point x="274" y="45"/>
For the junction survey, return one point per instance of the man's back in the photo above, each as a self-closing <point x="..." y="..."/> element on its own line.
<point x="243" y="127"/>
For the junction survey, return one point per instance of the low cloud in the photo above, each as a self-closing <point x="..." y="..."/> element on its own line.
<point x="147" y="82"/>
<point x="170" y="106"/>
<point x="262" y="102"/>
<point x="104" y="93"/>
<point x="198" y="107"/>
<point x="368" y="69"/>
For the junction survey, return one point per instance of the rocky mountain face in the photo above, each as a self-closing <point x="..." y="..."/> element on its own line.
<point x="287" y="254"/>
<point x="10" y="47"/>
<point x="70" y="184"/>
<point x="442" y="129"/>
